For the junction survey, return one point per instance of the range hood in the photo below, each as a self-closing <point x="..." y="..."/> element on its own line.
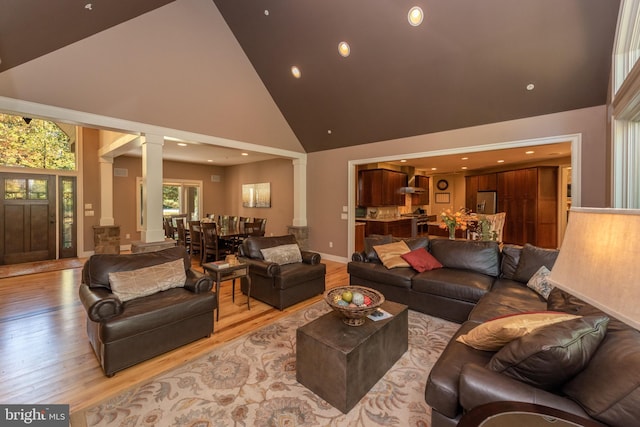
<point x="411" y="190"/>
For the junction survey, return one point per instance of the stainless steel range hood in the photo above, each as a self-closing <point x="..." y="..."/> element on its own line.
<point x="411" y="190"/>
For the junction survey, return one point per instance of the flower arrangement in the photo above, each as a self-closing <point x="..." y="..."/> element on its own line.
<point x="453" y="220"/>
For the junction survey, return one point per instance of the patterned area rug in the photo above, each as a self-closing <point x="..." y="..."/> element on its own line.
<point x="251" y="381"/>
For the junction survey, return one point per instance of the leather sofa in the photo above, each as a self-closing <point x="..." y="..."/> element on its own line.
<point x="281" y="285"/>
<point x="606" y="390"/>
<point x="123" y="334"/>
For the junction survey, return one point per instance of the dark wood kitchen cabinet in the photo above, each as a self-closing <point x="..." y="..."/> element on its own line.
<point x="381" y="187"/>
<point x="473" y="184"/>
<point x="529" y="197"/>
<point x="422" y="198"/>
<point x="397" y="228"/>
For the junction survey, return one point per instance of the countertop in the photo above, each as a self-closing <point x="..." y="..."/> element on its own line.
<point x="399" y="218"/>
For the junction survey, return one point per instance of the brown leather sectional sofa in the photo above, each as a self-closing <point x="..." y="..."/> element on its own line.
<point x="123" y="334"/>
<point x="480" y="282"/>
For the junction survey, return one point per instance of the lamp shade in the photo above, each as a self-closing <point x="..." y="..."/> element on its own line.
<point x="599" y="261"/>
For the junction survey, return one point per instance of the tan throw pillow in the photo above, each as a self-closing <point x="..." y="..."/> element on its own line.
<point x="128" y="285"/>
<point x="283" y="254"/>
<point x="494" y="334"/>
<point x="390" y="254"/>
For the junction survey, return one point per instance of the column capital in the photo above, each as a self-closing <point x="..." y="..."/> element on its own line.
<point x="152" y="139"/>
<point x="107" y="160"/>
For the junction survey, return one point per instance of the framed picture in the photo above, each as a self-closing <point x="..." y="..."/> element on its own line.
<point x="256" y="195"/>
<point x="443" y="198"/>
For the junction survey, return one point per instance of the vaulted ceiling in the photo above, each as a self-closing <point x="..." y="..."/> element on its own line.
<point x="468" y="63"/>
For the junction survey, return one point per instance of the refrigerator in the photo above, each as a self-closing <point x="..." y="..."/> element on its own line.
<point x="486" y="202"/>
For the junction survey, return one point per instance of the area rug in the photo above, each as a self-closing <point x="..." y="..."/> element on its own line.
<point x="251" y="381"/>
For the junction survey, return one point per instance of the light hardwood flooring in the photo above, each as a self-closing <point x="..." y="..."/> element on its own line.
<point x="45" y="356"/>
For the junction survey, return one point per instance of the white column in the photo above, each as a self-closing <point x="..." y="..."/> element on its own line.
<point x="106" y="191"/>
<point x="152" y="230"/>
<point x="300" y="192"/>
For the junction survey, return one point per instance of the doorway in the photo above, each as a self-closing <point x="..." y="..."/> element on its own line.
<point x="29" y="217"/>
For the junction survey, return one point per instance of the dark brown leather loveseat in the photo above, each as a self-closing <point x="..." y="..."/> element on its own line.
<point x="281" y="285"/>
<point x="123" y="334"/>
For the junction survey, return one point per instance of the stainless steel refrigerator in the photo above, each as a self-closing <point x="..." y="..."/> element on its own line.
<point x="486" y="202"/>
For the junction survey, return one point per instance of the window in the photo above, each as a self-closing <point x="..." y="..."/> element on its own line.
<point x="36" y="144"/>
<point x="25" y="189"/>
<point x="178" y="197"/>
<point x="626" y="108"/>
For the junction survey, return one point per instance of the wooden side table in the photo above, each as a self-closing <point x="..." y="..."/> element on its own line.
<point x="232" y="272"/>
<point x="508" y="414"/>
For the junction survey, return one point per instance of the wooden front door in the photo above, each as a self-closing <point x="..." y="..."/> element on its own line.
<point x="27" y="218"/>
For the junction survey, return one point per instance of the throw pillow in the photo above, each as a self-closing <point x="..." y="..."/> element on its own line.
<point x="550" y="356"/>
<point x="493" y="334"/>
<point x="128" y="285"/>
<point x="390" y="254"/>
<point x="374" y="240"/>
<point x="283" y="254"/>
<point x="421" y="260"/>
<point x="531" y="259"/>
<point x="539" y="282"/>
<point x="560" y="300"/>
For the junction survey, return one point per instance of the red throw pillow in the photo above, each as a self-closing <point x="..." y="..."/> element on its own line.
<point x="421" y="260"/>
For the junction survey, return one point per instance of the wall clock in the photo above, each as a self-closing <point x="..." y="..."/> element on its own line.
<point x="442" y="184"/>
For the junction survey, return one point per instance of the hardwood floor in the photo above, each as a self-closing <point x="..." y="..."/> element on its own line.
<point x="45" y="356"/>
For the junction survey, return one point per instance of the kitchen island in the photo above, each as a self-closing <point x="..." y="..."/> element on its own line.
<point x="396" y="226"/>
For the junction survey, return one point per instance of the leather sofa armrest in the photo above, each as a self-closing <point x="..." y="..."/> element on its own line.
<point x="312" y="258"/>
<point x="261" y="267"/>
<point x="359" y="256"/>
<point x="100" y="304"/>
<point x="479" y="385"/>
<point x="198" y="282"/>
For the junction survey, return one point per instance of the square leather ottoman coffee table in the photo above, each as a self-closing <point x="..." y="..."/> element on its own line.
<point x="340" y="363"/>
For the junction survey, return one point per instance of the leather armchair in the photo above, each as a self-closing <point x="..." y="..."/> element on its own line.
<point x="123" y="334"/>
<point x="281" y="285"/>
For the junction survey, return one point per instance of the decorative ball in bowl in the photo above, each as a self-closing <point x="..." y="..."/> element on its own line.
<point x="354" y="303"/>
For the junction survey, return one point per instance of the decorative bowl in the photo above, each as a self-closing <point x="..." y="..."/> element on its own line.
<point x="354" y="315"/>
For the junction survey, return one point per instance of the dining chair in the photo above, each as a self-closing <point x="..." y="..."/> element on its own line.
<point x="212" y="246"/>
<point x="195" y="244"/>
<point x="183" y="237"/>
<point x="261" y="223"/>
<point x="169" y="229"/>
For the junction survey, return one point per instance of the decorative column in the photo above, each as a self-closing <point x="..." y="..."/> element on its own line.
<point x="106" y="190"/>
<point x="152" y="229"/>
<point x="299" y="228"/>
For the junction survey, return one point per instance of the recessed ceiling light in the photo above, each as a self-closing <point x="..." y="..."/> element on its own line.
<point x="465" y="158"/>
<point x="500" y="161"/>
<point x="529" y="152"/>
<point x="464" y="167"/>
<point x="531" y="86"/>
<point x="266" y="12"/>
<point x="344" y="49"/>
<point x="329" y="132"/>
<point x="434" y="169"/>
<point x="296" y="72"/>
<point x="245" y="154"/>
<point x="210" y="160"/>
<point x="403" y="161"/>
<point x="88" y="6"/>
<point x="182" y="144"/>
<point x="415" y="16"/>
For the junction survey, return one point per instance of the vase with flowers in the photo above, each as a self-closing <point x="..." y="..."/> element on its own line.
<point x="453" y="220"/>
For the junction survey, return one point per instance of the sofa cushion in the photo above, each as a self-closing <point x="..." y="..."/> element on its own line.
<point x="128" y="285"/>
<point x="283" y="254"/>
<point x="298" y="274"/>
<point x="482" y="257"/>
<point x="550" y="356"/>
<point x="507" y="297"/>
<point x="375" y="272"/>
<point x="254" y="244"/>
<point x="531" y="259"/>
<point x="496" y="333"/>
<point x="390" y="254"/>
<point x="417" y="242"/>
<point x="462" y="285"/>
<point x="421" y="260"/>
<point x="375" y="240"/>
<point x="539" y="282"/>
<point x="608" y="388"/>
<point x="510" y="259"/>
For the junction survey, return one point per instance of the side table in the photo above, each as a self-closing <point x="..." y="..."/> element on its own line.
<point x="232" y="272"/>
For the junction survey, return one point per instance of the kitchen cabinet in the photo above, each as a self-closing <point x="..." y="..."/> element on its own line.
<point x="381" y="187"/>
<point x="529" y="197"/>
<point x="397" y="227"/>
<point x="418" y="199"/>
<point x="359" y="238"/>
<point x="473" y="184"/>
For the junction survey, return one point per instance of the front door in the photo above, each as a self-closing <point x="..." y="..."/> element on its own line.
<point x="27" y="218"/>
